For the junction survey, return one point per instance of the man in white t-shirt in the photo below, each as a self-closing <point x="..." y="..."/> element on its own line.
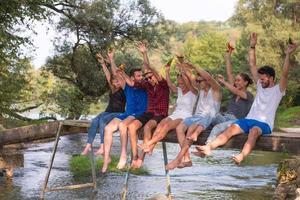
<point x="260" y="119"/>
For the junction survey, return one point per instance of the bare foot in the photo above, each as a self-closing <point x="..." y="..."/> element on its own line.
<point x="86" y="150"/>
<point x="140" y="163"/>
<point x="105" y="165"/>
<point x="172" y="165"/>
<point x="122" y="163"/>
<point x="100" y="151"/>
<point x="144" y="147"/>
<point x="204" y="150"/>
<point x="185" y="164"/>
<point x="238" y="159"/>
<point x="192" y="137"/>
<point x="134" y="164"/>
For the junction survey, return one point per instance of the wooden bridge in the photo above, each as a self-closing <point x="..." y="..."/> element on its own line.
<point x="276" y="142"/>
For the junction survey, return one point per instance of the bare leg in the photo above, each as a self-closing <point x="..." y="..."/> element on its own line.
<point x="146" y="146"/>
<point x="108" y="138"/>
<point x="133" y="127"/>
<point x="100" y="151"/>
<point x="220" y="140"/>
<point x="170" y="125"/>
<point x="124" y="139"/>
<point x="193" y="130"/>
<point x="147" y="136"/>
<point x="86" y="149"/>
<point x="180" y="131"/>
<point x="254" y="133"/>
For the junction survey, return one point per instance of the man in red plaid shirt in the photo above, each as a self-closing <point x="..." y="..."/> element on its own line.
<point x="157" y="109"/>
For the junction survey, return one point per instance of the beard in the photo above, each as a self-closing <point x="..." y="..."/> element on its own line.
<point x="265" y="84"/>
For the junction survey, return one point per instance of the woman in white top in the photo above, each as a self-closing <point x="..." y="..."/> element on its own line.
<point x="186" y="98"/>
<point x="207" y="107"/>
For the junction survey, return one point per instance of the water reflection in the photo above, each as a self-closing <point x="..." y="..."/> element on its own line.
<point x="215" y="177"/>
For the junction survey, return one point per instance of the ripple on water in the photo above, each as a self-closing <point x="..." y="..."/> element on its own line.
<point x="215" y="177"/>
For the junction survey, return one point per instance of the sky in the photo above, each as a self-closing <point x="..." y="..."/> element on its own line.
<point x="178" y="10"/>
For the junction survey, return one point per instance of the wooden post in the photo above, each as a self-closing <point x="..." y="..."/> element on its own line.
<point x="92" y="159"/>
<point x="125" y="188"/>
<point x="169" y="194"/>
<point x="51" y="160"/>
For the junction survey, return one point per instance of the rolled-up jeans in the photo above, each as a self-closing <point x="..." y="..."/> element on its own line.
<point x="221" y="123"/>
<point x="100" y="122"/>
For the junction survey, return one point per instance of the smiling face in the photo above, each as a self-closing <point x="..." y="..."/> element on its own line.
<point x="137" y="75"/>
<point x="116" y="83"/>
<point x="265" y="80"/>
<point x="151" y="78"/>
<point x="201" y="82"/>
<point x="240" y="83"/>
<point x="180" y="81"/>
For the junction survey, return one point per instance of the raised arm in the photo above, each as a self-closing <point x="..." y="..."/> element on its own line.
<point x="111" y="55"/>
<point x="284" y="74"/>
<point x="252" y="56"/>
<point x="228" y="62"/>
<point x="231" y="88"/>
<point x="106" y="71"/>
<point x="143" y="49"/>
<point x="213" y="83"/>
<point x="128" y="80"/>
<point x="188" y="80"/>
<point x="171" y="85"/>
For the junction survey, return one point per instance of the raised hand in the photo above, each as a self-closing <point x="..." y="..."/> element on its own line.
<point x="220" y="78"/>
<point x="111" y="54"/>
<point x="291" y="48"/>
<point x="142" y="47"/>
<point x="100" y="58"/>
<point x="253" y="39"/>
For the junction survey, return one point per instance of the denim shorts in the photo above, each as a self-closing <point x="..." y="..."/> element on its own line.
<point x="247" y="124"/>
<point x="201" y="120"/>
<point x="223" y="117"/>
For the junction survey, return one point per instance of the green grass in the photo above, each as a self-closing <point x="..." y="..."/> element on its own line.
<point x="288" y="117"/>
<point x="80" y="166"/>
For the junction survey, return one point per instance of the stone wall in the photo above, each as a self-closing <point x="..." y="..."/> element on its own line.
<point x="288" y="180"/>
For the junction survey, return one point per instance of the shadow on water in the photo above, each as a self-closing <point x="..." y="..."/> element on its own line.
<point x="215" y="177"/>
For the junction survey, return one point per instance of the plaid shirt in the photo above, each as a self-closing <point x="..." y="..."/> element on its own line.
<point x="158" y="96"/>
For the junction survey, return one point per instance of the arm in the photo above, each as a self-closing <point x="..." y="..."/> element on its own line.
<point x="111" y="55"/>
<point x="100" y="59"/>
<point x="284" y="74"/>
<point x="212" y="82"/>
<point x="229" y="67"/>
<point x="252" y="56"/>
<point x="231" y="88"/>
<point x="126" y="78"/>
<point x="187" y="78"/>
<point x="143" y="49"/>
<point x="171" y="85"/>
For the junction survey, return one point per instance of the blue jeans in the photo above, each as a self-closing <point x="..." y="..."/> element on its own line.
<point x="100" y="121"/>
<point x="221" y="123"/>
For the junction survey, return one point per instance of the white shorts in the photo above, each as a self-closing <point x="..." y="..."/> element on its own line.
<point x="179" y="115"/>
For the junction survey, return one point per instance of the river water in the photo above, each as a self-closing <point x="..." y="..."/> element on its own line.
<point x="215" y="177"/>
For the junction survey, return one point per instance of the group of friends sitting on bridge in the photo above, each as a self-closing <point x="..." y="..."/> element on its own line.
<point x="141" y="100"/>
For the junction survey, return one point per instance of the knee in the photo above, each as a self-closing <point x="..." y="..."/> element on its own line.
<point x="180" y="127"/>
<point x="122" y="126"/>
<point x="131" y="128"/>
<point x="254" y="133"/>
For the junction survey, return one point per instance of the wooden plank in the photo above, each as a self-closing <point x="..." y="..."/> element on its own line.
<point x="42" y="131"/>
<point x="277" y="142"/>
<point x="70" y="187"/>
